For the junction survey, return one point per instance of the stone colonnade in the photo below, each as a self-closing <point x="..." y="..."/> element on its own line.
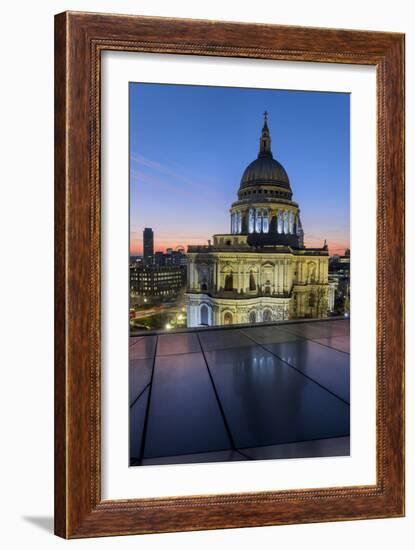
<point x="258" y="220"/>
<point x="254" y="275"/>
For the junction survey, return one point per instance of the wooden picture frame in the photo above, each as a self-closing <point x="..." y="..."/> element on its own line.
<point x="79" y="40"/>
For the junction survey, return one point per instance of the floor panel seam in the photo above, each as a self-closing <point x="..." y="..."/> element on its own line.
<point x="221" y="409"/>
<point x="299" y="371"/>
<point x="139" y="395"/>
<point x="145" y="427"/>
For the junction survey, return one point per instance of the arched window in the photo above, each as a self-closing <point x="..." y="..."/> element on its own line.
<point x="285" y="218"/>
<point x="229" y="282"/>
<point x="265" y="221"/>
<point x="233" y="223"/>
<point x="267" y="316"/>
<point x="204" y="315"/>
<point x="251" y="221"/>
<point x="227" y="318"/>
<point x="239" y="225"/>
<point x="252" y="317"/>
<point x="291" y="223"/>
<point x="203" y="286"/>
<point x="312" y="299"/>
<point x="279" y="222"/>
<point x="252" y="283"/>
<point x="258" y="220"/>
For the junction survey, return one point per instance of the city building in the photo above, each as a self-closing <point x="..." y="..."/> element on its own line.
<point x="339" y="280"/>
<point x="260" y="271"/>
<point x="156" y="282"/>
<point x="159" y="259"/>
<point x="157" y="276"/>
<point x="174" y="258"/>
<point x="148" y="244"/>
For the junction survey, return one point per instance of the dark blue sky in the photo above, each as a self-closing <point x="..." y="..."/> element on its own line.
<point x="189" y="146"/>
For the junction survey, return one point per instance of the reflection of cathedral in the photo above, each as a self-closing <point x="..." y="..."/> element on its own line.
<point x="261" y="271"/>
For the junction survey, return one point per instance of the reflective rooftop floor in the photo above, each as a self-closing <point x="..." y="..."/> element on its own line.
<point x="262" y="392"/>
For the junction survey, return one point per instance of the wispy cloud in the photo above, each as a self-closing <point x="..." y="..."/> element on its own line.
<point x="139" y="160"/>
<point x="141" y="177"/>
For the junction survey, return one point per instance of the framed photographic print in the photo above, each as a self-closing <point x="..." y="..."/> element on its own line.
<point x="229" y="275"/>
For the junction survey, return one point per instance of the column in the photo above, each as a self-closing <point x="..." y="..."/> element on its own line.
<point x="289" y="274"/>
<point x="285" y="276"/>
<point x="191" y="274"/>
<point x="240" y="276"/>
<point x="259" y="278"/>
<point x="189" y="281"/>
<point x="194" y="278"/>
<point x="276" y="277"/>
<point x="214" y="275"/>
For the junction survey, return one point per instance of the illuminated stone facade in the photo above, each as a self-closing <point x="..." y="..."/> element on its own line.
<point x="260" y="271"/>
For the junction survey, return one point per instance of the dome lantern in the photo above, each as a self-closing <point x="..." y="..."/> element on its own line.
<point x="265" y="139"/>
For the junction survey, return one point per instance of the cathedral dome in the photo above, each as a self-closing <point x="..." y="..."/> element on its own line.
<point x="265" y="170"/>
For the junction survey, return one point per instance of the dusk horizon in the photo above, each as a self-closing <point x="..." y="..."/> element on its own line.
<point x="189" y="146"/>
